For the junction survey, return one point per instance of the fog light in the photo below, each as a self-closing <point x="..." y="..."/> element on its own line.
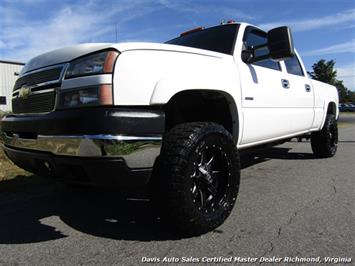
<point x="89" y="96"/>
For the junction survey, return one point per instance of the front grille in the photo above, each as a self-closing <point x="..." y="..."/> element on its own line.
<point x="35" y="103"/>
<point x="52" y="74"/>
<point x="35" y="93"/>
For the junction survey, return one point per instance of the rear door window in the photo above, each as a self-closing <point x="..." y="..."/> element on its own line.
<point x="293" y="66"/>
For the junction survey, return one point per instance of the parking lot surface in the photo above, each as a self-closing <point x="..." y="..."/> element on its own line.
<point x="289" y="204"/>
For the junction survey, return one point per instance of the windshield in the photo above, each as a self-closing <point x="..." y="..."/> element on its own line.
<point x="217" y="39"/>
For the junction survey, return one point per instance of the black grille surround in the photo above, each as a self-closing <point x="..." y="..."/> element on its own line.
<point x="40" y="96"/>
<point x="39" y="77"/>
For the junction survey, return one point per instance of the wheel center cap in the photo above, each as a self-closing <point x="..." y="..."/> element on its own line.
<point x="206" y="174"/>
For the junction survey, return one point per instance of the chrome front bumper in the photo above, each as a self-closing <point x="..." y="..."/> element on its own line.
<point x="137" y="151"/>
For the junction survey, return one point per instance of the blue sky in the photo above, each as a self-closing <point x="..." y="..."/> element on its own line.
<point x="321" y="28"/>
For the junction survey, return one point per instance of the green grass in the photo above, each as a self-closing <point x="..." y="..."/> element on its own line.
<point x="8" y="170"/>
<point x="2" y="113"/>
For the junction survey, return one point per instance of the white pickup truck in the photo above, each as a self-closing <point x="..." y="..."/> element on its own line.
<point x="170" y="116"/>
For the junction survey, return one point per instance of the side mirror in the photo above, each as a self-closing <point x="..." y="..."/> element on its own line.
<point x="280" y="43"/>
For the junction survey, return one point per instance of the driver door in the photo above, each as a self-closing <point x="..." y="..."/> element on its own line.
<point x="265" y="94"/>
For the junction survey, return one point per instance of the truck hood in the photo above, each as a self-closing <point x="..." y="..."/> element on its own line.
<point x="63" y="55"/>
<point x="67" y="54"/>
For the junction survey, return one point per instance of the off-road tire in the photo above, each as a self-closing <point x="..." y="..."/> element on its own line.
<point x="325" y="142"/>
<point x="197" y="197"/>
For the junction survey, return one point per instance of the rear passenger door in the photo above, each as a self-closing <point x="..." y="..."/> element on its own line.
<point x="265" y="99"/>
<point x="301" y="104"/>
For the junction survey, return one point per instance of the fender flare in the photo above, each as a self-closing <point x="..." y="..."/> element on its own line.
<point x="326" y="108"/>
<point x="163" y="93"/>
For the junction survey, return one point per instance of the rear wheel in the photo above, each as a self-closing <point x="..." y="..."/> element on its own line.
<point x="199" y="177"/>
<point x="325" y="142"/>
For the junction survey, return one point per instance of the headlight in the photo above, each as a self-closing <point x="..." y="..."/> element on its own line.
<point x="88" y="96"/>
<point x="99" y="63"/>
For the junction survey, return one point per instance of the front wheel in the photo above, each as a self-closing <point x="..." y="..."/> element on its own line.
<point x="325" y="142"/>
<point x="199" y="176"/>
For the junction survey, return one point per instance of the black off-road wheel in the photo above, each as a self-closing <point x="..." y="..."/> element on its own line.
<point x="325" y="142"/>
<point x="198" y="177"/>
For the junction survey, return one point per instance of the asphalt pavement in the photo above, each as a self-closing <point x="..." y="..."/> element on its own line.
<point x="290" y="204"/>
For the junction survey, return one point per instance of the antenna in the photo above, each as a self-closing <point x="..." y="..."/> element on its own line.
<point x="116" y="30"/>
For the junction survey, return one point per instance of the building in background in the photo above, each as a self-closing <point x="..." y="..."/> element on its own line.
<point x="7" y="82"/>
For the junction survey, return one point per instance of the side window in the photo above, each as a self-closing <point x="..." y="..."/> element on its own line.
<point x="257" y="37"/>
<point x="293" y="66"/>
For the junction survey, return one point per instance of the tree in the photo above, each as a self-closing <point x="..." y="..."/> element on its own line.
<point x="324" y="71"/>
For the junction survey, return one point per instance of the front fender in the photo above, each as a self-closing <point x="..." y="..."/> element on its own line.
<point x="166" y="88"/>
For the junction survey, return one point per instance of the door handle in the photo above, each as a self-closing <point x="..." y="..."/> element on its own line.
<point x="285" y="83"/>
<point x="307" y="87"/>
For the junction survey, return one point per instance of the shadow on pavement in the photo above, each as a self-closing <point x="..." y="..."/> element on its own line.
<point x="26" y="200"/>
<point x="93" y="211"/>
<point x="250" y="158"/>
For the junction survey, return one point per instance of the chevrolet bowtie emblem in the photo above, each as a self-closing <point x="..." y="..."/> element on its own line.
<point x="24" y="92"/>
